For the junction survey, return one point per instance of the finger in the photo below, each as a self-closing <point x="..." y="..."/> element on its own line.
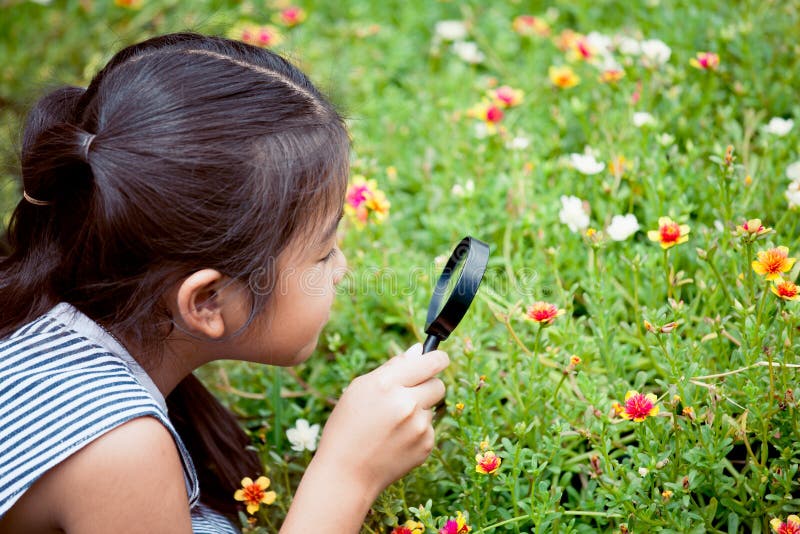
<point x="413" y="368"/>
<point x="428" y="393"/>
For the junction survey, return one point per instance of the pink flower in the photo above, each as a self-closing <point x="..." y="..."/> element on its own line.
<point x="487" y="463"/>
<point x="455" y="526"/>
<point x="543" y="312"/>
<point x="705" y="61"/>
<point x="638" y="406"/>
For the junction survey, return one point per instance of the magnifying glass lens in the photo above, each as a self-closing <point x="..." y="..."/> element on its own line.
<point x="452" y="283"/>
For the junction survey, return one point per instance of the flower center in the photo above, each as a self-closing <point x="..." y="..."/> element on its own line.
<point x="253" y="494"/>
<point x="670" y="233"/>
<point x="773" y="261"/>
<point x="638" y="406"/>
<point x="787" y="289"/>
<point x="494" y="114"/>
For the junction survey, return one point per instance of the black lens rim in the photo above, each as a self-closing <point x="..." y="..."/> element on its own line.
<point x="441" y="324"/>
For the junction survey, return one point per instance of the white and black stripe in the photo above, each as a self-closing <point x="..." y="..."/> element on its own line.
<point x="64" y="384"/>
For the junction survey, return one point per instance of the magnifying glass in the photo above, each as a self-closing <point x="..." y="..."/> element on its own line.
<point x="455" y="290"/>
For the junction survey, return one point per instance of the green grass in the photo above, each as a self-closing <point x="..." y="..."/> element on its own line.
<point x="569" y="465"/>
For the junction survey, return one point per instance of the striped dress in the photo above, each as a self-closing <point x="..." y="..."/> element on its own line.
<point x="64" y="381"/>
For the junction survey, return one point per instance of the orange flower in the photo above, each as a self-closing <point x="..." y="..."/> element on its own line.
<point x="566" y="39"/>
<point x="529" y="25"/>
<point x="773" y="262"/>
<point x="487" y="463"/>
<point x="129" y="4"/>
<point x="612" y="75"/>
<point x="705" y="61"/>
<point x="563" y="77"/>
<point x="543" y="313"/>
<point x="669" y="233"/>
<point x="254" y="493"/>
<point x="790" y="526"/>
<point x="785" y="289"/>
<point x="639" y="407"/>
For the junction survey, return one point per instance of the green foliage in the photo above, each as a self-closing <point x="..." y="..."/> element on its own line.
<point x="722" y="454"/>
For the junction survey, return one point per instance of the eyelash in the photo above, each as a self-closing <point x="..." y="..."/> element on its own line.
<point x="329" y="256"/>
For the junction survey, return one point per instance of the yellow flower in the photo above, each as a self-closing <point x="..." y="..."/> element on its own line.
<point x="669" y="233"/>
<point x="563" y="77"/>
<point x="254" y="493"/>
<point x="773" y="262"/>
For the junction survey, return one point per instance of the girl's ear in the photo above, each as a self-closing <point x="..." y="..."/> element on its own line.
<point x="199" y="304"/>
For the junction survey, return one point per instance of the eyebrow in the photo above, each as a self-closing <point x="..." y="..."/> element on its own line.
<point x="329" y="233"/>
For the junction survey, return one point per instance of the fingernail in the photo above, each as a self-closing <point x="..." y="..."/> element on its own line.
<point x="415" y="349"/>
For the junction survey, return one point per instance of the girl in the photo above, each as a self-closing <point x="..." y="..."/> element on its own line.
<point x="181" y="209"/>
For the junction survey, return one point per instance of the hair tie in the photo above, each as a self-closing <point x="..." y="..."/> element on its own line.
<point x="34" y="201"/>
<point x="86" y="144"/>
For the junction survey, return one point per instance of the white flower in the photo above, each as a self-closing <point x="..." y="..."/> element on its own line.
<point x="572" y="214"/>
<point x="586" y="163"/>
<point x="643" y="471"/>
<point x="520" y="142"/>
<point x="600" y="42"/>
<point x="655" y="52"/>
<point x="778" y="126"/>
<point x="643" y="118"/>
<point x="468" y="51"/>
<point x="793" y="171"/>
<point x="628" y="46"/>
<point x="793" y="194"/>
<point x="719" y="225"/>
<point x="665" y="139"/>
<point x="465" y="190"/>
<point x="303" y="436"/>
<point x="622" y="227"/>
<point x="450" y="30"/>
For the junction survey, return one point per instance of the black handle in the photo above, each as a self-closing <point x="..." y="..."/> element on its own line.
<point x="431" y="343"/>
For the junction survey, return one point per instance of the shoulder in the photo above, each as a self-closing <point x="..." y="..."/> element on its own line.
<point x="129" y="479"/>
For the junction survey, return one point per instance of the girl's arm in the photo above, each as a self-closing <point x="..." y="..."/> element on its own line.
<point x="380" y="429"/>
<point x="128" y="480"/>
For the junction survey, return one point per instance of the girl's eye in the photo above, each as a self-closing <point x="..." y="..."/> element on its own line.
<point x="329" y="256"/>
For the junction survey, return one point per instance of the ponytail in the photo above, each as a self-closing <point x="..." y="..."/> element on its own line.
<point x="40" y="233"/>
<point x="219" y="447"/>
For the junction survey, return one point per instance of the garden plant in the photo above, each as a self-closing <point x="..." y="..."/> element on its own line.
<point x="631" y="361"/>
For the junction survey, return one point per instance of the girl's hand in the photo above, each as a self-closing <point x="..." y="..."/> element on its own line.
<point x="381" y="427"/>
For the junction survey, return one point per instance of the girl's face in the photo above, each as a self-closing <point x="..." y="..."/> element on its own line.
<point x="287" y="332"/>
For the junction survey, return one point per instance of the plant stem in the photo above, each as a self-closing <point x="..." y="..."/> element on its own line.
<point x="667" y="274"/>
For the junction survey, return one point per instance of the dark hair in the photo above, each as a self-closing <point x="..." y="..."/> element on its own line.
<point x="185" y="152"/>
